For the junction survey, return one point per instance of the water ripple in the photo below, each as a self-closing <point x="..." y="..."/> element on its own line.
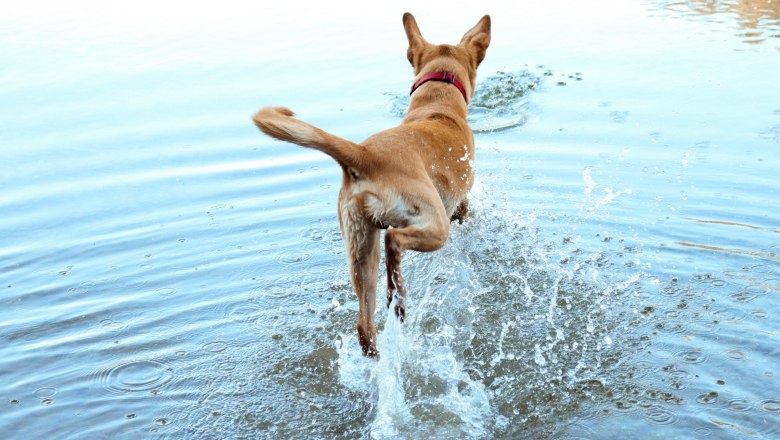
<point x="691" y="356"/>
<point x="244" y="312"/>
<point x="707" y="398"/>
<point x="771" y="406"/>
<point x="144" y="375"/>
<point x="216" y="347"/>
<point x="292" y="257"/>
<point x="737" y="354"/>
<point x="45" y="392"/>
<point x="658" y="415"/>
<point x="731" y="315"/>
<point x="739" y="405"/>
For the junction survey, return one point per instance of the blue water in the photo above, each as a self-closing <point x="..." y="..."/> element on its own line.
<point x="169" y="272"/>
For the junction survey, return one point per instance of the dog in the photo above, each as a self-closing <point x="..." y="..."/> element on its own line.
<point x="411" y="180"/>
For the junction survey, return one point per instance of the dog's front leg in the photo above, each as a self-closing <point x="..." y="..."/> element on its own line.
<point x="428" y="234"/>
<point x="395" y="282"/>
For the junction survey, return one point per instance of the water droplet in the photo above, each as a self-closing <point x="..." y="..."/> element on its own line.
<point x="539" y="357"/>
<point x="707" y="398"/>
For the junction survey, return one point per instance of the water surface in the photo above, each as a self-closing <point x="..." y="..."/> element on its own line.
<point x="169" y="272"/>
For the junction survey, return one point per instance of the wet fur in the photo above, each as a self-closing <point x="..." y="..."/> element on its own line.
<point x="411" y="179"/>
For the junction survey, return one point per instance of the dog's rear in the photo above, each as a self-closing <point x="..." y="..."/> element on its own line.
<point x="411" y="179"/>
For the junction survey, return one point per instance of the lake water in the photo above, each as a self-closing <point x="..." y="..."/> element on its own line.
<point x="169" y="272"/>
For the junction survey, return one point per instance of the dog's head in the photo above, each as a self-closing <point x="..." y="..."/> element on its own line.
<point x="463" y="58"/>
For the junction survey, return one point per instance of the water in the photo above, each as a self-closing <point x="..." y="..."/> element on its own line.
<point x="169" y="272"/>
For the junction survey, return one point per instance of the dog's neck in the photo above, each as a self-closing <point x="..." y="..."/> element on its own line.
<point x="440" y="98"/>
<point x="448" y="77"/>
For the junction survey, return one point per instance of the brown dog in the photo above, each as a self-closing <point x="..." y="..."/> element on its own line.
<point x="412" y="179"/>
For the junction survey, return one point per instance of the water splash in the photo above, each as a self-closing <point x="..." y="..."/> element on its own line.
<point x="592" y="203"/>
<point x="500" y="323"/>
<point x="388" y="377"/>
<point x="500" y="100"/>
<point x="419" y="384"/>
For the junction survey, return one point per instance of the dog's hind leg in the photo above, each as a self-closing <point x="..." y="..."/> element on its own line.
<point x="361" y="239"/>
<point x="428" y="233"/>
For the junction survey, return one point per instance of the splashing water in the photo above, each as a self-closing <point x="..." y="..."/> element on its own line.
<point x="500" y="100"/>
<point x="419" y="384"/>
<point x="501" y="322"/>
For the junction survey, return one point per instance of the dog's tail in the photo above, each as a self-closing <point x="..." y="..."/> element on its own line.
<point x="278" y="122"/>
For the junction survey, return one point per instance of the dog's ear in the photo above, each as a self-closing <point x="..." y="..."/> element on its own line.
<point x="416" y="40"/>
<point x="477" y="40"/>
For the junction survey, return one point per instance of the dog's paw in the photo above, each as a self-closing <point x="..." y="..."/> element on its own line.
<point x="400" y="304"/>
<point x="400" y="310"/>
<point x="371" y="352"/>
<point x="461" y="213"/>
<point x="368" y="344"/>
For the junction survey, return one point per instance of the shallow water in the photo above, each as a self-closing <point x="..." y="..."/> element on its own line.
<point x="169" y="272"/>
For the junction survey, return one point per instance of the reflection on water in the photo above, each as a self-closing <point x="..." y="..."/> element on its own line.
<point x="758" y="21"/>
<point x="767" y="255"/>
<point x="728" y="223"/>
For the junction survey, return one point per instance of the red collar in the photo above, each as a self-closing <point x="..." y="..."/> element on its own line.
<point x="447" y="77"/>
